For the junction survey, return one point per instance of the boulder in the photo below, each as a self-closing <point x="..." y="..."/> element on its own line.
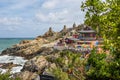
<point x="8" y="65"/>
<point x="26" y="75"/>
<point x="46" y="51"/>
<point x="37" y="64"/>
<point x="47" y="70"/>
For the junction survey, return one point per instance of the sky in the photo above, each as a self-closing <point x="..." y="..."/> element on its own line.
<point x="31" y="18"/>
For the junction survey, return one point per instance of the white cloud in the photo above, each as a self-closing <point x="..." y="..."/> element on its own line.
<point x="11" y="28"/>
<point x="53" y="17"/>
<point x="60" y="11"/>
<point x="38" y="15"/>
<point x="50" y="4"/>
<point x="10" y="21"/>
<point x="69" y="1"/>
<point x="22" y="4"/>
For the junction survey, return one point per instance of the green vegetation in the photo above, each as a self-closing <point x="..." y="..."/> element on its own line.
<point x="104" y="16"/>
<point x="6" y="76"/>
<point x="98" y="67"/>
<point x="69" y="66"/>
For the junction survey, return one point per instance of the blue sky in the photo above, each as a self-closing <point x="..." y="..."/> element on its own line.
<point x="30" y="18"/>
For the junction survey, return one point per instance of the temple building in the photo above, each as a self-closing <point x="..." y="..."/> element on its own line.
<point x="87" y="34"/>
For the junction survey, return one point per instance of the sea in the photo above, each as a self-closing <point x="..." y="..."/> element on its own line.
<point x="9" y="42"/>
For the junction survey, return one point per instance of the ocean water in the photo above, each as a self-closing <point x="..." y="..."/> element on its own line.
<point x="8" y="42"/>
<point x="15" y="59"/>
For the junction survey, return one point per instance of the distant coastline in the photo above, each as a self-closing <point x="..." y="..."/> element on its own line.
<point x="8" y="42"/>
<point x="17" y="38"/>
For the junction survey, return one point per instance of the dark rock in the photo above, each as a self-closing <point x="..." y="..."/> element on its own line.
<point x="25" y="41"/>
<point x="46" y="77"/>
<point x="8" y="65"/>
<point x="26" y="75"/>
<point x="37" y="64"/>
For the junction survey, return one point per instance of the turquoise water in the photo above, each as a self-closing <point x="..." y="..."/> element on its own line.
<point x="8" y="42"/>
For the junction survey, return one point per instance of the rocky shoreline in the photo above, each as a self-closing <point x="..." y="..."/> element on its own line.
<point x="26" y="49"/>
<point x="38" y="52"/>
<point x="8" y="65"/>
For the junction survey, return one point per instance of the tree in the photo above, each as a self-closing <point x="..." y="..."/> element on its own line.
<point x="69" y="66"/>
<point x="106" y="15"/>
<point x="93" y="10"/>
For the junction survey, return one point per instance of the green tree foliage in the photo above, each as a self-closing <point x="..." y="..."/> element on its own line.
<point x="69" y="66"/>
<point x="98" y="67"/>
<point x="104" y="15"/>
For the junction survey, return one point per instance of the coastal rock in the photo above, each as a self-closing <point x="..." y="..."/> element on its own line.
<point x="26" y="75"/>
<point x="27" y="49"/>
<point x="8" y="65"/>
<point x="47" y="70"/>
<point x="37" y="64"/>
<point x="46" y="51"/>
<point x="25" y="41"/>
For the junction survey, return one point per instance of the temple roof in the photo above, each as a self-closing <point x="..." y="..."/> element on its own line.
<point x="87" y="31"/>
<point x="74" y="39"/>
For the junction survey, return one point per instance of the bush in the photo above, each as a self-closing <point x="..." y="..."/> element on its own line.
<point x="69" y="66"/>
<point x="7" y="76"/>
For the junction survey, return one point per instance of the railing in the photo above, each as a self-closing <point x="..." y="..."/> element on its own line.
<point x="89" y="38"/>
<point x="72" y="48"/>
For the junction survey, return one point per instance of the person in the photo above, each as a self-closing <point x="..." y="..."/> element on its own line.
<point x="96" y="43"/>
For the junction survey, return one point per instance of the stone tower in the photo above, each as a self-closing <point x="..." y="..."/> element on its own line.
<point x="50" y="32"/>
<point x="50" y="29"/>
<point x="65" y="28"/>
<point x="74" y="26"/>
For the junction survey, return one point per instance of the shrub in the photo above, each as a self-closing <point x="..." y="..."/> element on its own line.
<point x="7" y="76"/>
